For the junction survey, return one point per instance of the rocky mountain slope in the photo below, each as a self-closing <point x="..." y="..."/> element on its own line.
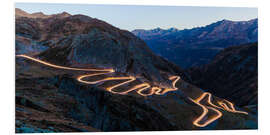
<point x="81" y="40"/>
<point x="51" y="98"/>
<point x="197" y="46"/>
<point x="233" y="74"/>
<point x="28" y="31"/>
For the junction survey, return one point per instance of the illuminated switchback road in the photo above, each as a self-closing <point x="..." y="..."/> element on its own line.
<point x="212" y="106"/>
<point x="199" y="122"/>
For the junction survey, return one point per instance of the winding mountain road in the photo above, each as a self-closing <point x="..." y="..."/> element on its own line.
<point x="212" y="107"/>
<point x="206" y="106"/>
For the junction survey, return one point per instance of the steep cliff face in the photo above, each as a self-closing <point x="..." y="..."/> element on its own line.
<point x="233" y="74"/>
<point x="197" y="46"/>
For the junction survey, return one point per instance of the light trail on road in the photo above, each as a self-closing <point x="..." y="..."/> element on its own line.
<point x="231" y="109"/>
<point x="62" y="67"/>
<point x="205" y="110"/>
<point x="199" y="122"/>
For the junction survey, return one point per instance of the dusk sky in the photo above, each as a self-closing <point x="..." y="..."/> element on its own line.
<point x="147" y="17"/>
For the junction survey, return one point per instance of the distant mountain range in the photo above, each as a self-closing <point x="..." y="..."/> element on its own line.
<point x="197" y="46"/>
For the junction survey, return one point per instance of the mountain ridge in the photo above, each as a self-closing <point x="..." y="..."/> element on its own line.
<point x="177" y="29"/>
<point x="20" y="13"/>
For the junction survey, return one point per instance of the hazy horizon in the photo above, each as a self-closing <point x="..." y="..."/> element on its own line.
<point x="131" y="17"/>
